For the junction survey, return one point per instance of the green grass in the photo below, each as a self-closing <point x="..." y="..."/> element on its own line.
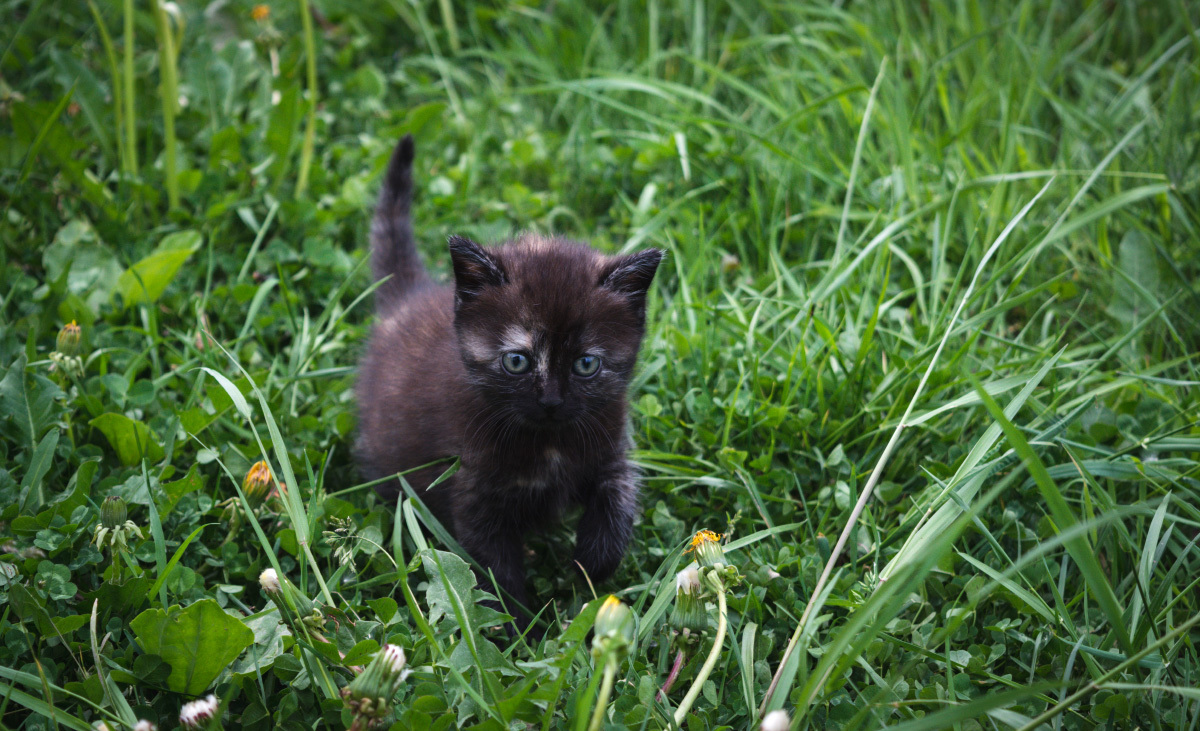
<point x="924" y="349"/>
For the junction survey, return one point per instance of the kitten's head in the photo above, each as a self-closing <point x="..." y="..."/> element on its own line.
<point x="549" y="329"/>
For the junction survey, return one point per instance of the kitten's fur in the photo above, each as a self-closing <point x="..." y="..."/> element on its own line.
<point x="432" y="385"/>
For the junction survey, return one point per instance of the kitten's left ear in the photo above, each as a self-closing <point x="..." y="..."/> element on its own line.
<point x="474" y="269"/>
<point x="631" y="275"/>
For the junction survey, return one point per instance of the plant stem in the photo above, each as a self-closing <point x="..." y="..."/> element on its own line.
<point x="310" y="53"/>
<point x="448" y="21"/>
<point x="131" y="162"/>
<point x="610" y="673"/>
<point x="722" y="619"/>
<point x="312" y="561"/>
<point x="170" y="98"/>
<point x="671" y="676"/>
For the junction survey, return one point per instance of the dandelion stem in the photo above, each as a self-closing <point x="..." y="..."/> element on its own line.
<point x="606" y="685"/>
<point x="310" y="59"/>
<point x="672" y="676"/>
<point x="170" y="98"/>
<point x="722" y="619"/>
<point x="127" y="99"/>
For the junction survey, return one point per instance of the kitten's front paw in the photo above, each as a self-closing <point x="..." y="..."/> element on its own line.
<point x="598" y="565"/>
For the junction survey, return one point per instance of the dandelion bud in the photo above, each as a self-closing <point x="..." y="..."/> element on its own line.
<point x="776" y="721"/>
<point x="614" y="619"/>
<point x="197" y="714"/>
<point x="113" y="512"/>
<point x="823" y="546"/>
<point x="69" y="339"/>
<point x="613" y="629"/>
<point x="369" y="695"/>
<point x="305" y="610"/>
<point x="707" y="547"/>
<point x="257" y="483"/>
<point x="393" y="658"/>
<point x="689" y="614"/>
<point x="269" y="581"/>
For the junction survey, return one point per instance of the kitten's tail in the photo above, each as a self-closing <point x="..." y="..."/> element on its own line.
<point x="393" y="251"/>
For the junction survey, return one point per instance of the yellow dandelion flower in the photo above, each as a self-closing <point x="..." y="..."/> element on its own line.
<point x="260" y="13"/>
<point x="707" y="547"/>
<point x="257" y="482"/>
<point x="704" y="536"/>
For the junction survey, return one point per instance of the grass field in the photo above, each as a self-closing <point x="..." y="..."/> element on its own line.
<point x="924" y="351"/>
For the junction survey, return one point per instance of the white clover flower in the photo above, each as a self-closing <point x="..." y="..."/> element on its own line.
<point x="269" y="581"/>
<point x="100" y="726"/>
<point x="776" y="721"/>
<point x="688" y="580"/>
<point x="197" y="713"/>
<point x="144" y="725"/>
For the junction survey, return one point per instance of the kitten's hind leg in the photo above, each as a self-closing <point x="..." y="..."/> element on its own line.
<point x="607" y="522"/>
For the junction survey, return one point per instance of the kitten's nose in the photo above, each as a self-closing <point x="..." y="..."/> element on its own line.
<point x="550" y="403"/>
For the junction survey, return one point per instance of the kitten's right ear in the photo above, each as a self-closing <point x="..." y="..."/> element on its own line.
<point x="474" y="269"/>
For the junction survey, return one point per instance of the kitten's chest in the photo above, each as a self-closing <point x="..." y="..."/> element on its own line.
<point x="542" y="468"/>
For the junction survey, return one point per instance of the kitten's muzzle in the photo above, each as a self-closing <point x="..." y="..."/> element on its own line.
<point x="551" y="406"/>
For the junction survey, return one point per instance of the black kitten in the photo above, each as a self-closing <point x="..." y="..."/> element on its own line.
<point x="521" y="368"/>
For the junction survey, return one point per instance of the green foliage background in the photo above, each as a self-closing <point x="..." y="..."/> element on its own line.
<point x="944" y="253"/>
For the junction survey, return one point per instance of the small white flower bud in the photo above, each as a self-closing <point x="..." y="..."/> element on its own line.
<point x="197" y="714"/>
<point x="688" y="580"/>
<point x="393" y="657"/>
<point x="776" y="721"/>
<point x="269" y="581"/>
<point x="144" y="725"/>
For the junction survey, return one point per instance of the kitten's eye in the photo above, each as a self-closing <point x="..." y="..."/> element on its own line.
<point x="586" y="365"/>
<point x="515" y="363"/>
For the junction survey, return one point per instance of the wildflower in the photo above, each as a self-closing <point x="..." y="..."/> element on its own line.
<point x="66" y="353"/>
<point x="144" y="725"/>
<point x="257" y="483"/>
<point x="69" y="339"/>
<point x="100" y="726"/>
<point x="197" y="714"/>
<point x="689" y="615"/>
<point x="823" y="547"/>
<point x="113" y="512"/>
<point x="716" y="575"/>
<point x="776" y="721"/>
<point x="269" y="581"/>
<point x="613" y="628"/>
<point x="393" y="657"/>
<point x="707" y="547"/>
<point x="260" y="13"/>
<point x="369" y="695"/>
<point x="296" y="606"/>
<point x="114" y="530"/>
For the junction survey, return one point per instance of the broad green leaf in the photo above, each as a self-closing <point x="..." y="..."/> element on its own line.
<point x="198" y="642"/>
<point x="458" y="580"/>
<point x="145" y="281"/>
<point x="28" y="403"/>
<point x="39" y="465"/>
<point x="172" y="491"/>
<point x="268" y="643"/>
<point x="91" y="269"/>
<point x="130" y="438"/>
